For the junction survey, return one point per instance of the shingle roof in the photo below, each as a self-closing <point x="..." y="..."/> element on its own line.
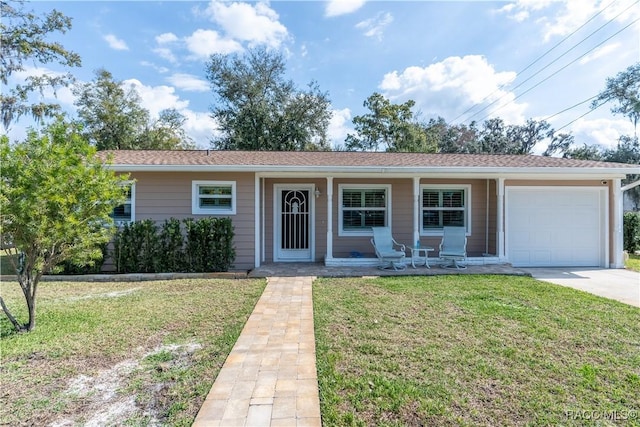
<point x="342" y="159"/>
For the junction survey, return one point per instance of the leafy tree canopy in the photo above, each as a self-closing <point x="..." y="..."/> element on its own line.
<point x="256" y="108"/>
<point x="389" y="126"/>
<point x="56" y="199"/>
<point x="624" y="91"/>
<point x="23" y="39"/>
<point x="114" y="119"/>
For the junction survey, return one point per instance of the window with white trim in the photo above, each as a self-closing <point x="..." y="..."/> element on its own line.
<point x="363" y="207"/>
<point x="444" y="206"/>
<point x="126" y="212"/>
<point x="213" y="197"/>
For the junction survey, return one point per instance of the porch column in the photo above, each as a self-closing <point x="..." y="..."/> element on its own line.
<point x="617" y="260"/>
<point x="257" y="220"/>
<point x="329" y="255"/>
<point x="500" y="219"/>
<point x="416" y="210"/>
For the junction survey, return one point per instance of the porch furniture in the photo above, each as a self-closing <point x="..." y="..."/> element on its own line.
<point x="416" y="252"/>
<point x="386" y="251"/>
<point x="453" y="247"/>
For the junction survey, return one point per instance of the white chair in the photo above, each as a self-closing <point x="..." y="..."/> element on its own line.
<point x="453" y="247"/>
<point x="386" y="251"/>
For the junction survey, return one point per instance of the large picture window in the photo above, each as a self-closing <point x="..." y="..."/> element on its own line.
<point x="125" y="212"/>
<point x="444" y="206"/>
<point x="363" y="207"/>
<point x="214" y="197"/>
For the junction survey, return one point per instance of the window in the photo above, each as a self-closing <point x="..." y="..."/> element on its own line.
<point x="213" y="197"/>
<point x="363" y="207"/>
<point x="444" y="206"/>
<point x="126" y="212"/>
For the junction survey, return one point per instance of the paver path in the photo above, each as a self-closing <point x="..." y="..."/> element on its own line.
<point x="269" y="378"/>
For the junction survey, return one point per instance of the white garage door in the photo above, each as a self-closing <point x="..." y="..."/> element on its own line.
<point x="555" y="226"/>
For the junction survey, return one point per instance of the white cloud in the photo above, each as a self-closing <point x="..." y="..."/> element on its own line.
<point x="166" y="53"/>
<point x="203" y="43"/>
<point x="256" y="24"/>
<point x="561" y="17"/>
<point x="600" y="52"/>
<point x="166" y="38"/>
<point x="450" y="87"/>
<point x="342" y="7"/>
<point x="156" y="98"/>
<point x="339" y="126"/>
<point x="198" y="125"/>
<point x="188" y="82"/>
<point x="604" y="132"/>
<point x="158" y="68"/>
<point x="115" y="43"/>
<point x="374" y="27"/>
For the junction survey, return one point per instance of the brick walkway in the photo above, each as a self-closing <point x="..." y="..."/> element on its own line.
<point x="269" y="378"/>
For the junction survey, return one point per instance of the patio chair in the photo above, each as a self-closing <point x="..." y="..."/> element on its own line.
<point x="453" y="247"/>
<point x="386" y="251"/>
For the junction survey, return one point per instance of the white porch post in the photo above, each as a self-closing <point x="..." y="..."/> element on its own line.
<point x="257" y="220"/>
<point x="617" y="260"/>
<point x="416" y="209"/>
<point x="329" y="255"/>
<point x="500" y="219"/>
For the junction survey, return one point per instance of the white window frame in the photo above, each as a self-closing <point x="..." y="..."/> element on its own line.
<point x="364" y="186"/>
<point x="441" y="187"/>
<point x="195" y="198"/>
<point x="131" y="202"/>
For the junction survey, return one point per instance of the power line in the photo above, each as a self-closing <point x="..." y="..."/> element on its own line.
<point x="538" y="58"/>
<point x="569" y="108"/>
<point x="578" y="118"/>
<point x="562" y="68"/>
<point x="552" y="62"/>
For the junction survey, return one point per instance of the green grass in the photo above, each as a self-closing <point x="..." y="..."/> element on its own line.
<point x="154" y="347"/>
<point x="472" y="350"/>
<point x="633" y="263"/>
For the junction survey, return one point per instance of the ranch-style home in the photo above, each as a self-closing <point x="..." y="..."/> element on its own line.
<point x="524" y="210"/>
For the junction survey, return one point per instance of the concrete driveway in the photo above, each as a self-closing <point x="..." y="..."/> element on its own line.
<point x="618" y="284"/>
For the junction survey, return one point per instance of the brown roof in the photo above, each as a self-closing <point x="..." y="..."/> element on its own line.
<point x="353" y="159"/>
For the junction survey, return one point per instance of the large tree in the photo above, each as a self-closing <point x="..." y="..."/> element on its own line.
<point x="623" y="91"/>
<point x="113" y="118"/>
<point x="389" y="126"/>
<point x="24" y="40"/>
<point x="257" y="108"/>
<point x="56" y="199"/>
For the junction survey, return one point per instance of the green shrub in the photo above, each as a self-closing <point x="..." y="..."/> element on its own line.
<point x="70" y="267"/>
<point x="204" y="245"/>
<point x="631" y="227"/>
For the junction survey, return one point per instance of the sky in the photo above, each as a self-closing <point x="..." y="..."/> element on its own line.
<point x="461" y="60"/>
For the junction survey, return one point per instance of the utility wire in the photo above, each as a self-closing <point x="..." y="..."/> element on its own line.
<point x="578" y="118"/>
<point x="552" y="62"/>
<point x="562" y="68"/>
<point x="537" y="59"/>
<point x="569" y="108"/>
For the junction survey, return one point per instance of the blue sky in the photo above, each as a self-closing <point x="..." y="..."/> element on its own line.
<point x="462" y="60"/>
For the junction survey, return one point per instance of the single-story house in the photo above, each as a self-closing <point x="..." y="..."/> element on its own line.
<point x="525" y="210"/>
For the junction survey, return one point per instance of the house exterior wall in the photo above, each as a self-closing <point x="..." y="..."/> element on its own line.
<point x="402" y="216"/>
<point x="162" y="195"/>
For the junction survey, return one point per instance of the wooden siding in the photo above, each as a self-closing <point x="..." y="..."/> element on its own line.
<point x="162" y="195"/>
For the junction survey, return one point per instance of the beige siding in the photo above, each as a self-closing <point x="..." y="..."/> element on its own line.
<point x="162" y="195"/>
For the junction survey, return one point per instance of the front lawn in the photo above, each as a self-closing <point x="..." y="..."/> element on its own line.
<point x="139" y="353"/>
<point x="633" y="263"/>
<point x="473" y="350"/>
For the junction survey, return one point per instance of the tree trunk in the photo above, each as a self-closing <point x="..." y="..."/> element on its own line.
<point x="12" y="319"/>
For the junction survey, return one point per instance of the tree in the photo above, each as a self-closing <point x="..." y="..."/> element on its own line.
<point x="23" y="39"/>
<point x="624" y="91"/>
<point x="56" y="200"/>
<point x="114" y="118"/>
<point x="390" y="126"/>
<point x="256" y="108"/>
<point x="112" y="115"/>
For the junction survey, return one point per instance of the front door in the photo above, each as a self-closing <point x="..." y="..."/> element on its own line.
<point x="293" y="228"/>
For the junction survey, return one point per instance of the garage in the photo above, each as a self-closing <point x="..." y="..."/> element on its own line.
<point x="556" y="226"/>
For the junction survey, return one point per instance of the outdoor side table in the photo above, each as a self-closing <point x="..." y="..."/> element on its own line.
<point x="416" y="252"/>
